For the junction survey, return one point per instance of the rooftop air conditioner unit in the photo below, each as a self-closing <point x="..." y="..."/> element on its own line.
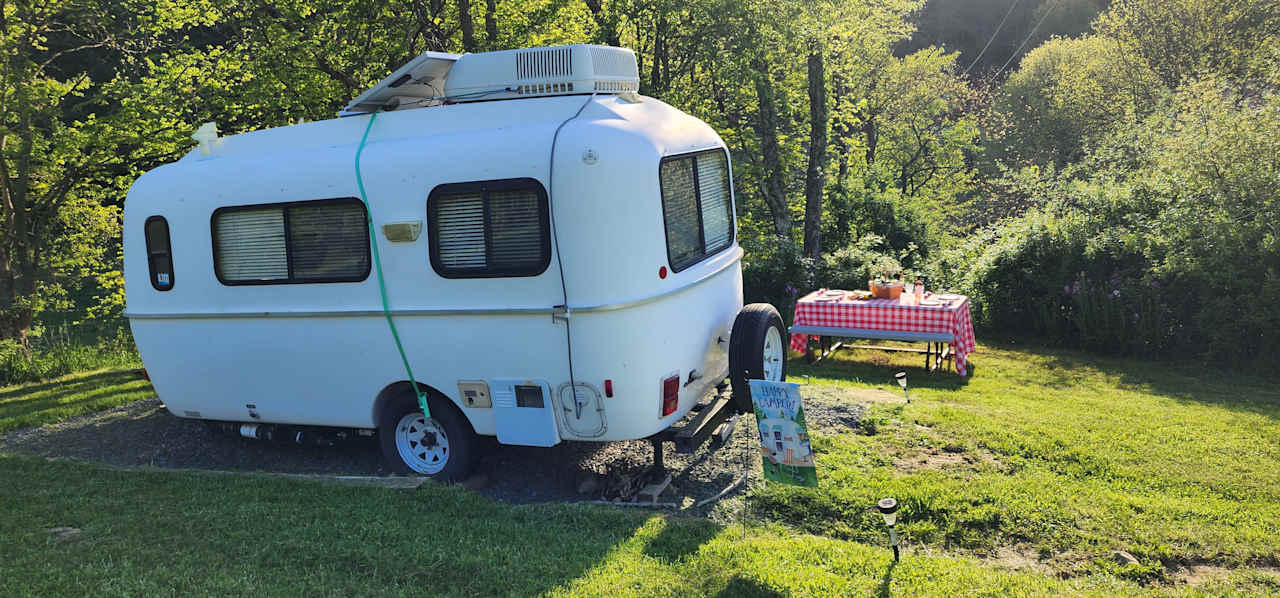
<point x="435" y="77"/>
<point x="561" y="70"/>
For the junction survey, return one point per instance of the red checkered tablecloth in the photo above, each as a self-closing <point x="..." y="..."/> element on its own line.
<point x="889" y="315"/>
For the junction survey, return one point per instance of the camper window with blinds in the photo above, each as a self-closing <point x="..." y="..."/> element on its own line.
<point x="556" y="253"/>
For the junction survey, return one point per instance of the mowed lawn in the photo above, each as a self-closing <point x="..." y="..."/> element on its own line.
<point x="68" y="396"/>
<point x="1019" y="482"/>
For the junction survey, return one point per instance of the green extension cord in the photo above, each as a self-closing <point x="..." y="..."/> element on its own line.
<point x="382" y="285"/>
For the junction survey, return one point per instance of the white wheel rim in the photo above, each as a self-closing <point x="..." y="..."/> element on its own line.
<point x="772" y="357"/>
<point x="422" y="443"/>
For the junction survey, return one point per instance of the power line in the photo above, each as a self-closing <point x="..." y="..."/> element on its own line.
<point x="1024" y="42"/>
<point x="993" y="37"/>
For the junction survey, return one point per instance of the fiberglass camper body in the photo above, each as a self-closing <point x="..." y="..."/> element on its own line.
<point x="558" y="253"/>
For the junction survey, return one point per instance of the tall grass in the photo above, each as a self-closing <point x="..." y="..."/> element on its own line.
<point x="64" y="349"/>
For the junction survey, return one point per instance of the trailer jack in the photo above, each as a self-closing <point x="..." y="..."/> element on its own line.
<point x="714" y="420"/>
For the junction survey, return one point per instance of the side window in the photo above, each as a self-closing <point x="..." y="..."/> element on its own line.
<point x="489" y="229"/>
<point x="696" y="206"/>
<point x="311" y="241"/>
<point x="159" y="253"/>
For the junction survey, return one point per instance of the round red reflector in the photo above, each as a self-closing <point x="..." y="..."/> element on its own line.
<point x="662" y="272"/>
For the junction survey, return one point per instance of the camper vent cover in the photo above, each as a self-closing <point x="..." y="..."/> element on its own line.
<point x="537" y="64"/>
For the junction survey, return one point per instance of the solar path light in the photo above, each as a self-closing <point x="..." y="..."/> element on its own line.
<point x="902" y="381"/>
<point x="888" y="508"/>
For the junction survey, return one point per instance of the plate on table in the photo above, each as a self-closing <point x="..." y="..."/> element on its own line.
<point x="859" y="295"/>
<point x="948" y="296"/>
<point x="932" y="302"/>
<point x="830" y="295"/>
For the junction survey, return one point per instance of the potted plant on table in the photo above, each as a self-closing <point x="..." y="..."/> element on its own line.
<point x="885" y="279"/>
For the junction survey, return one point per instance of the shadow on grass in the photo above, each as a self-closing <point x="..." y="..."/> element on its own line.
<point x="70" y="384"/>
<point x="884" y="589"/>
<point x="741" y="587"/>
<point x="856" y="367"/>
<point x="341" y="540"/>
<point x="48" y="402"/>
<point x="1182" y="380"/>
<point x="676" y="542"/>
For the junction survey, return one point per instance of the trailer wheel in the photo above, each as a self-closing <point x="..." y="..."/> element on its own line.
<point x="442" y="447"/>
<point x="757" y="351"/>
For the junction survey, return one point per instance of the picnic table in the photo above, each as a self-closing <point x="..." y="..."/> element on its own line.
<point x="828" y="314"/>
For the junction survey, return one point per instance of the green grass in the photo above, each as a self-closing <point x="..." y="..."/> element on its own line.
<point x="1061" y="456"/>
<point x="1054" y="455"/>
<point x="41" y="403"/>
<point x="157" y="534"/>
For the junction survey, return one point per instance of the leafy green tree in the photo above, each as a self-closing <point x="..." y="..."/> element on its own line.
<point x="1064" y="93"/>
<point x="1182" y="39"/>
<point x="87" y="98"/>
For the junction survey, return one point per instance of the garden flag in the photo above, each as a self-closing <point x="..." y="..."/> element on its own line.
<point x="784" y="438"/>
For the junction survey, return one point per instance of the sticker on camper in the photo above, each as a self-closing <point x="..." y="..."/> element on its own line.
<point x="784" y="437"/>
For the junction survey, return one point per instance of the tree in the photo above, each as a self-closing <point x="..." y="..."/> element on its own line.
<point x="81" y="98"/>
<point x="1065" y="92"/>
<point x="467" y="25"/>
<point x="815" y="180"/>
<point x="1180" y="39"/>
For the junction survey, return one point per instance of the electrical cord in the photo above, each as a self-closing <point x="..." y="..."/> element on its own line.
<point x="993" y="38"/>
<point x="564" y="288"/>
<point x="1024" y="42"/>
<point x="377" y="262"/>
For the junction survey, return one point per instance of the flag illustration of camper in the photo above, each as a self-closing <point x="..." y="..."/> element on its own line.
<point x="784" y="438"/>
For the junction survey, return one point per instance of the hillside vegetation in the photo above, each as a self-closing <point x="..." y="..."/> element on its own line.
<point x="1097" y="174"/>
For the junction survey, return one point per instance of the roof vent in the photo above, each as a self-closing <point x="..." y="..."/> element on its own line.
<point x="537" y="64"/>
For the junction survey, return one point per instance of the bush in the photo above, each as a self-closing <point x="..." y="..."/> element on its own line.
<point x="776" y="272"/>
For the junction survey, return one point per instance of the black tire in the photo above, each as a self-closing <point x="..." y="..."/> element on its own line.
<point x="458" y="457"/>
<point x="746" y="349"/>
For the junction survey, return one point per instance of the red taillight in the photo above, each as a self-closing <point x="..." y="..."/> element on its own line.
<point x="670" y="395"/>
<point x="608" y="388"/>
<point x="662" y="272"/>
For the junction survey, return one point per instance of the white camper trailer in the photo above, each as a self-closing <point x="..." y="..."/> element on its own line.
<point x="558" y="254"/>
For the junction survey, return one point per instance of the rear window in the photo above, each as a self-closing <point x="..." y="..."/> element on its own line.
<point x="159" y="255"/>
<point x="489" y="229"/>
<point x="696" y="206"/>
<point x="302" y="242"/>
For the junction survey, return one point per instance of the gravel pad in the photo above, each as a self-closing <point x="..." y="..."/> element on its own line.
<point x="145" y="434"/>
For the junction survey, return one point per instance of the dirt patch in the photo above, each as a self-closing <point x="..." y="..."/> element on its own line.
<point x="1019" y="559"/>
<point x="1198" y="574"/>
<point x="932" y="459"/>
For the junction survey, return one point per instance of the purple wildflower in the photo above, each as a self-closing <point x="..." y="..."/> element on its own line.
<point x="1066" y="289"/>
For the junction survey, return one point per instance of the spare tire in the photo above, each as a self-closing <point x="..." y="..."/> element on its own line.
<point x="757" y="351"/>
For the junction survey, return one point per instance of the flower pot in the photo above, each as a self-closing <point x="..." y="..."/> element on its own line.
<point x="885" y="290"/>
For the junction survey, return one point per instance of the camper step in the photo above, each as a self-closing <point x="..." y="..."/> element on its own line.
<point x="696" y="432"/>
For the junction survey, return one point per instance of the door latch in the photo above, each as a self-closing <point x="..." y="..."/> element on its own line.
<point x="561" y="313"/>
